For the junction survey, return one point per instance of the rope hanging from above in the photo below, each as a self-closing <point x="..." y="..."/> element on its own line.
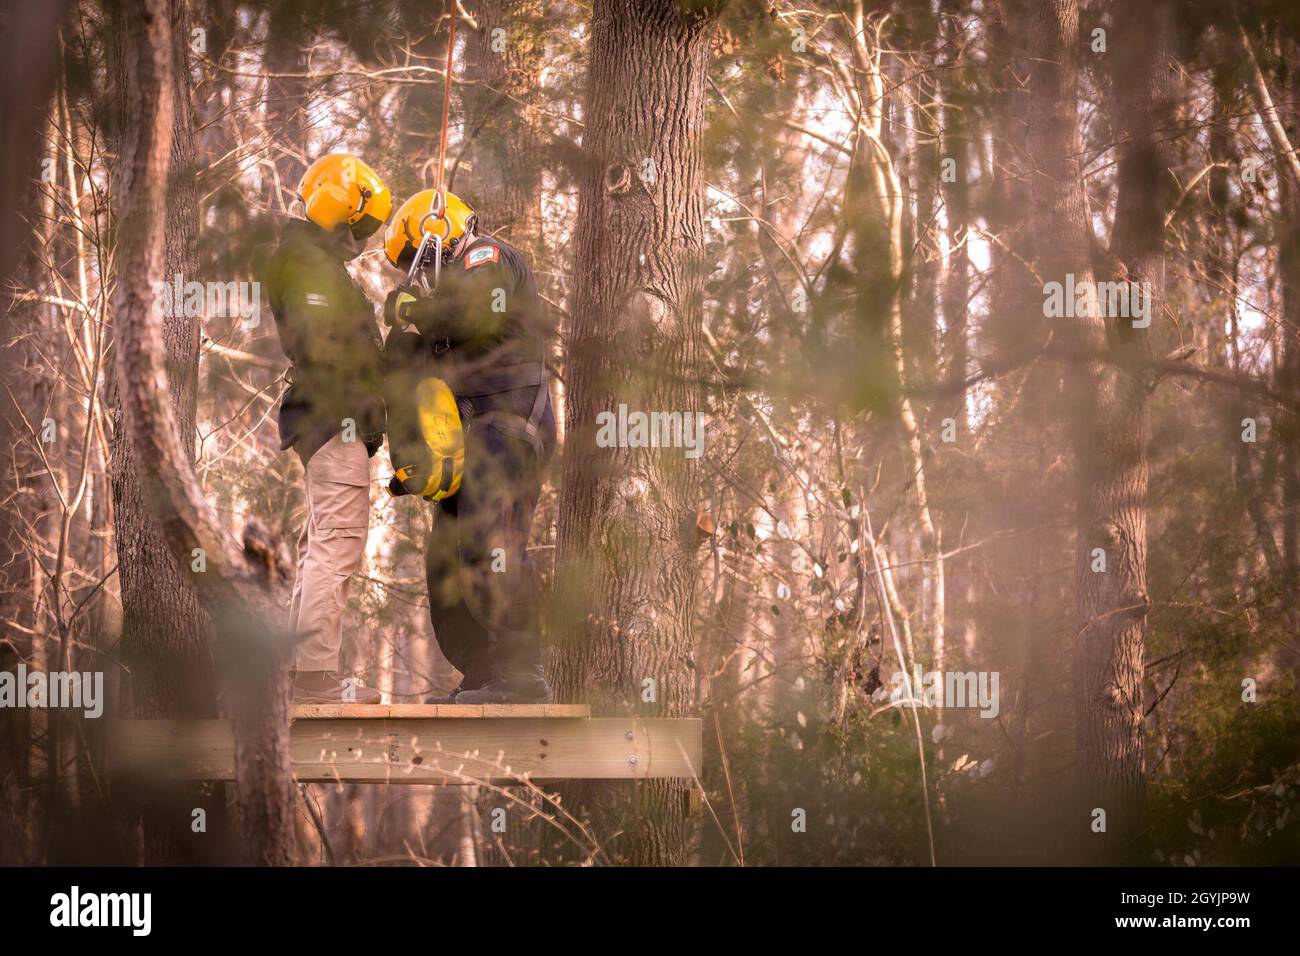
<point x="438" y="182"/>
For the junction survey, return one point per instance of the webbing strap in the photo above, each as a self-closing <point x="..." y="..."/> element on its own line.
<point x="517" y="425"/>
<point x="539" y="405"/>
<point x="448" y="475"/>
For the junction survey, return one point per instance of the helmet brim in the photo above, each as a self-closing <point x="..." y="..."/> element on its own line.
<point x="365" y="227"/>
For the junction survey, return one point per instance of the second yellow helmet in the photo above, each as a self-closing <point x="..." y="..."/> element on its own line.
<point x="429" y="212"/>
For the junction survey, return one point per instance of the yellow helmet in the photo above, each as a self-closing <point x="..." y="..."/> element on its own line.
<point x="339" y="188"/>
<point x="431" y="212"/>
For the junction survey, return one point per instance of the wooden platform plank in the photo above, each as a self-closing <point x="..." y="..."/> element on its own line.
<point x="425" y="750"/>
<point x="380" y="711"/>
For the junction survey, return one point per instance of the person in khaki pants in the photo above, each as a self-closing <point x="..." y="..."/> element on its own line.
<point x="330" y="549"/>
<point x="332" y="413"/>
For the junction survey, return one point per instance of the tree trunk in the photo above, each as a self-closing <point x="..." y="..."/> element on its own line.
<point x="165" y="634"/>
<point x="626" y="576"/>
<point x="1288" y="369"/>
<point x="30" y="43"/>
<point x="1109" y="421"/>
<point x="1112" y="439"/>
<point x="163" y="515"/>
<point x="30" y="48"/>
<point x="164" y="631"/>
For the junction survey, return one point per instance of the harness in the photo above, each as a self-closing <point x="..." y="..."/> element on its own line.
<point x="511" y="423"/>
<point x="526" y="428"/>
<point x="517" y="426"/>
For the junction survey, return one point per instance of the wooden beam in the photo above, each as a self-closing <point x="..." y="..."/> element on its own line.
<point x="352" y="747"/>
<point x="373" y="711"/>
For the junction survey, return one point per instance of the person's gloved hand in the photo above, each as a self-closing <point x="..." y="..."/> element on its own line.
<point x="374" y="421"/>
<point x="398" y="305"/>
<point x="407" y="481"/>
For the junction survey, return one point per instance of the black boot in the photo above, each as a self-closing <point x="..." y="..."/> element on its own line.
<point x="447" y="698"/>
<point x="466" y="684"/>
<point x="527" y="688"/>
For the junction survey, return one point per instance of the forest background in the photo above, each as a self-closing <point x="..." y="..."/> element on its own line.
<point x="833" y="227"/>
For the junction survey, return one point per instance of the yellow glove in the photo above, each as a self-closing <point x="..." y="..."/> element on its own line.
<point x="397" y="306"/>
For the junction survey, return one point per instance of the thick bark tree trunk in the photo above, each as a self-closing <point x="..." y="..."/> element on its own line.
<point x="164" y="631"/>
<point x="165" y="634"/>
<point x="162" y="622"/>
<point x="154" y="454"/>
<point x="1059" y="228"/>
<point x="1109" y="422"/>
<point x="626" y="577"/>
<point x="1112" y="438"/>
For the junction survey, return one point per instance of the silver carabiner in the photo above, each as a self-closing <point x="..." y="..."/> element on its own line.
<point x="413" y="273"/>
<point x="417" y="273"/>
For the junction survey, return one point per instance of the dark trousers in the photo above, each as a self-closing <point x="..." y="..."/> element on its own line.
<point x="484" y="598"/>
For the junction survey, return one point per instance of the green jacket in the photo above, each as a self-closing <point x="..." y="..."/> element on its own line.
<point x="327" y="328"/>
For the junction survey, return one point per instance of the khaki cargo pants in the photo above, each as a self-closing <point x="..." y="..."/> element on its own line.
<point x="330" y="549"/>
